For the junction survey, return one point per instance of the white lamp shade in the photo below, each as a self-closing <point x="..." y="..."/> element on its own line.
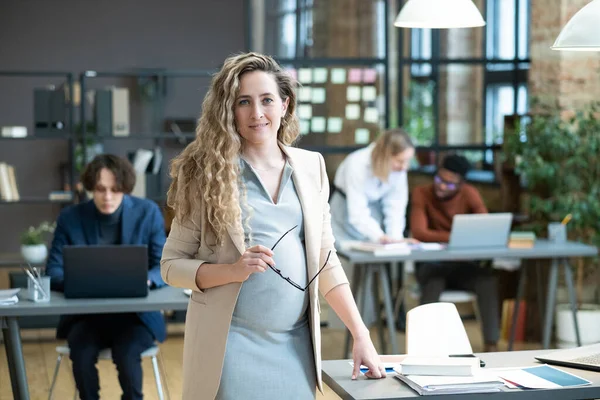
<point x="582" y="32"/>
<point x="439" y="14"/>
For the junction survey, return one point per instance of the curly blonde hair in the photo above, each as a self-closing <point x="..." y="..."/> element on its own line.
<point x="206" y="173"/>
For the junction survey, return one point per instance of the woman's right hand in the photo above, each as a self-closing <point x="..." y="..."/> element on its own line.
<point x="254" y="259"/>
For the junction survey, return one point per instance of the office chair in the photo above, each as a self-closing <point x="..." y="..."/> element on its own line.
<point x="152" y="353"/>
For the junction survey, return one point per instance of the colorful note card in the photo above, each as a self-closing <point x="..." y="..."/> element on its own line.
<point x="305" y="75"/>
<point x="353" y="93"/>
<point x="318" y="95"/>
<point x="371" y="115"/>
<point x="334" y="124"/>
<point x="352" y="111"/>
<point x="317" y="125"/>
<point x="369" y="93"/>
<point x="305" y="93"/>
<point x="320" y="75"/>
<point x="369" y="75"/>
<point x="304" y="126"/>
<point x="355" y="75"/>
<point x="304" y="111"/>
<point x="338" y="75"/>
<point x="362" y="136"/>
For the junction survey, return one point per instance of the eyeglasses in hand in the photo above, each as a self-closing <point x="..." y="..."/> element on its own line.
<point x="287" y="279"/>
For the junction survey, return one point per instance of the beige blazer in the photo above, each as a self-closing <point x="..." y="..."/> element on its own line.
<point x="210" y="310"/>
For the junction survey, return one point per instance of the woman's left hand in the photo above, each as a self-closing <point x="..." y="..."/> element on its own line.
<point x="364" y="353"/>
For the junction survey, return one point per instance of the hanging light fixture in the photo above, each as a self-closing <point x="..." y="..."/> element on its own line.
<point x="439" y="14"/>
<point x="582" y="32"/>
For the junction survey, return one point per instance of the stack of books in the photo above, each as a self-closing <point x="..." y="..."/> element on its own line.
<point x="521" y="240"/>
<point x="8" y="183"/>
<point x="446" y="375"/>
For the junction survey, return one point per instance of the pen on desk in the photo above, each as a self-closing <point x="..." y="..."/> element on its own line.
<point x="566" y="219"/>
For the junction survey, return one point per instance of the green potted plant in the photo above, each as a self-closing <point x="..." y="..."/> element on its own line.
<point x="556" y="155"/>
<point x="418" y="118"/>
<point x="33" y="242"/>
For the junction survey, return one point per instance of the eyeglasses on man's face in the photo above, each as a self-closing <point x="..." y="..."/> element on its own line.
<point x="287" y="279"/>
<point x="449" y="185"/>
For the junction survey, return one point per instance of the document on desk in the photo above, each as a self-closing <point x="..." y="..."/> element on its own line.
<point x="8" y="297"/>
<point x="541" y="377"/>
<point x="435" y="385"/>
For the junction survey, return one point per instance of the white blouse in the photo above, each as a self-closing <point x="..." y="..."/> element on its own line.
<point x="355" y="178"/>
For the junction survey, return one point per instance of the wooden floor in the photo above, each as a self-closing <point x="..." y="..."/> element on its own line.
<point x="40" y="360"/>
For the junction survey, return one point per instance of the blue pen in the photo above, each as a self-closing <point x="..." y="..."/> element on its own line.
<point x="387" y="369"/>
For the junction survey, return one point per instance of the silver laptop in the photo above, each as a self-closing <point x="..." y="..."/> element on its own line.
<point x="480" y="231"/>
<point x="584" y="357"/>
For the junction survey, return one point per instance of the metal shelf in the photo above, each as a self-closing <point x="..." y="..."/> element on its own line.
<point x="29" y="138"/>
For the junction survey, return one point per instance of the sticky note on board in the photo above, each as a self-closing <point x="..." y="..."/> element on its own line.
<point x="371" y="115"/>
<point x="354" y="75"/>
<point x="305" y="93"/>
<point x="362" y="136"/>
<point x="352" y="111"/>
<point x="353" y="93"/>
<point x="369" y="75"/>
<point x="320" y="75"/>
<point x="338" y="75"/>
<point x="305" y="75"/>
<point x="318" y="95"/>
<point x="369" y="93"/>
<point x="317" y="125"/>
<point x="334" y="124"/>
<point x="304" y="126"/>
<point x="293" y="73"/>
<point x="304" y="111"/>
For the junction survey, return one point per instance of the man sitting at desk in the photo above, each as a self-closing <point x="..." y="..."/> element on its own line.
<point x="433" y="207"/>
<point x="111" y="217"/>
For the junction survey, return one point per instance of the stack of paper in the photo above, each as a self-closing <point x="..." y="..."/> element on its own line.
<point x="377" y="249"/>
<point x="9" y="297"/>
<point x="434" y="385"/>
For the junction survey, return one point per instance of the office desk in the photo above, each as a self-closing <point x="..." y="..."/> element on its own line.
<point x="336" y="374"/>
<point x="166" y="298"/>
<point x="558" y="252"/>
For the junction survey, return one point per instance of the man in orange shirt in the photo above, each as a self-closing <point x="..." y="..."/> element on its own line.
<point x="433" y="207"/>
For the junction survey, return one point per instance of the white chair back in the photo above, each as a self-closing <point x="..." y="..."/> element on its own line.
<point x="436" y="330"/>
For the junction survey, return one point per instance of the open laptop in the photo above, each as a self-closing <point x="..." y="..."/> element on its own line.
<point x="584" y="357"/>
<point x="105" y="271"/>
<point x="480" y="231"/>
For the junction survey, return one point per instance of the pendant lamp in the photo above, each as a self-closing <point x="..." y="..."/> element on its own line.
<point x="582" y="32"/>
<point x="439" y="14"/>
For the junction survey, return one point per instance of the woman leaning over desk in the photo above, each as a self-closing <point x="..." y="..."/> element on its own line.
<point x="371" y="191"/>
<point x="239" y="190"/>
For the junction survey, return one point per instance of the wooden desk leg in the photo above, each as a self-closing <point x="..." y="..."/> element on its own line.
<point x="550" y="303"/>
<point x="14" y="355"/>
<point x="355" y="287"/>
<point x="572" y="297"/>
<point x="520" y="290"/>
<point x="389" y="307"/>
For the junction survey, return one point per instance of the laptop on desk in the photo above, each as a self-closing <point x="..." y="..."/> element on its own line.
<point x="105" y="271"/>
<point x="480" y="231"/>
<point x="584" y="357"/>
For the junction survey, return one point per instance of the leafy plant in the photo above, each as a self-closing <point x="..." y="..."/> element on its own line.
<point x="36" y="235"/>
<point x="418" y="112"/>
<point x="557" y="159"/>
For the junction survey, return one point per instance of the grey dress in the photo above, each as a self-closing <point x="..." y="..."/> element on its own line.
<point x="269" y="352"/>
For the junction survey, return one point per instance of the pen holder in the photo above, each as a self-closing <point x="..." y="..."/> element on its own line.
<point x="35" y="294"/>
<point x="557" y="232"/>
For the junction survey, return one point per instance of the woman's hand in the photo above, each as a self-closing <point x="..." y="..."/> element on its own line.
<point x="364" y="353"/>
<point x="254" y="259"/>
